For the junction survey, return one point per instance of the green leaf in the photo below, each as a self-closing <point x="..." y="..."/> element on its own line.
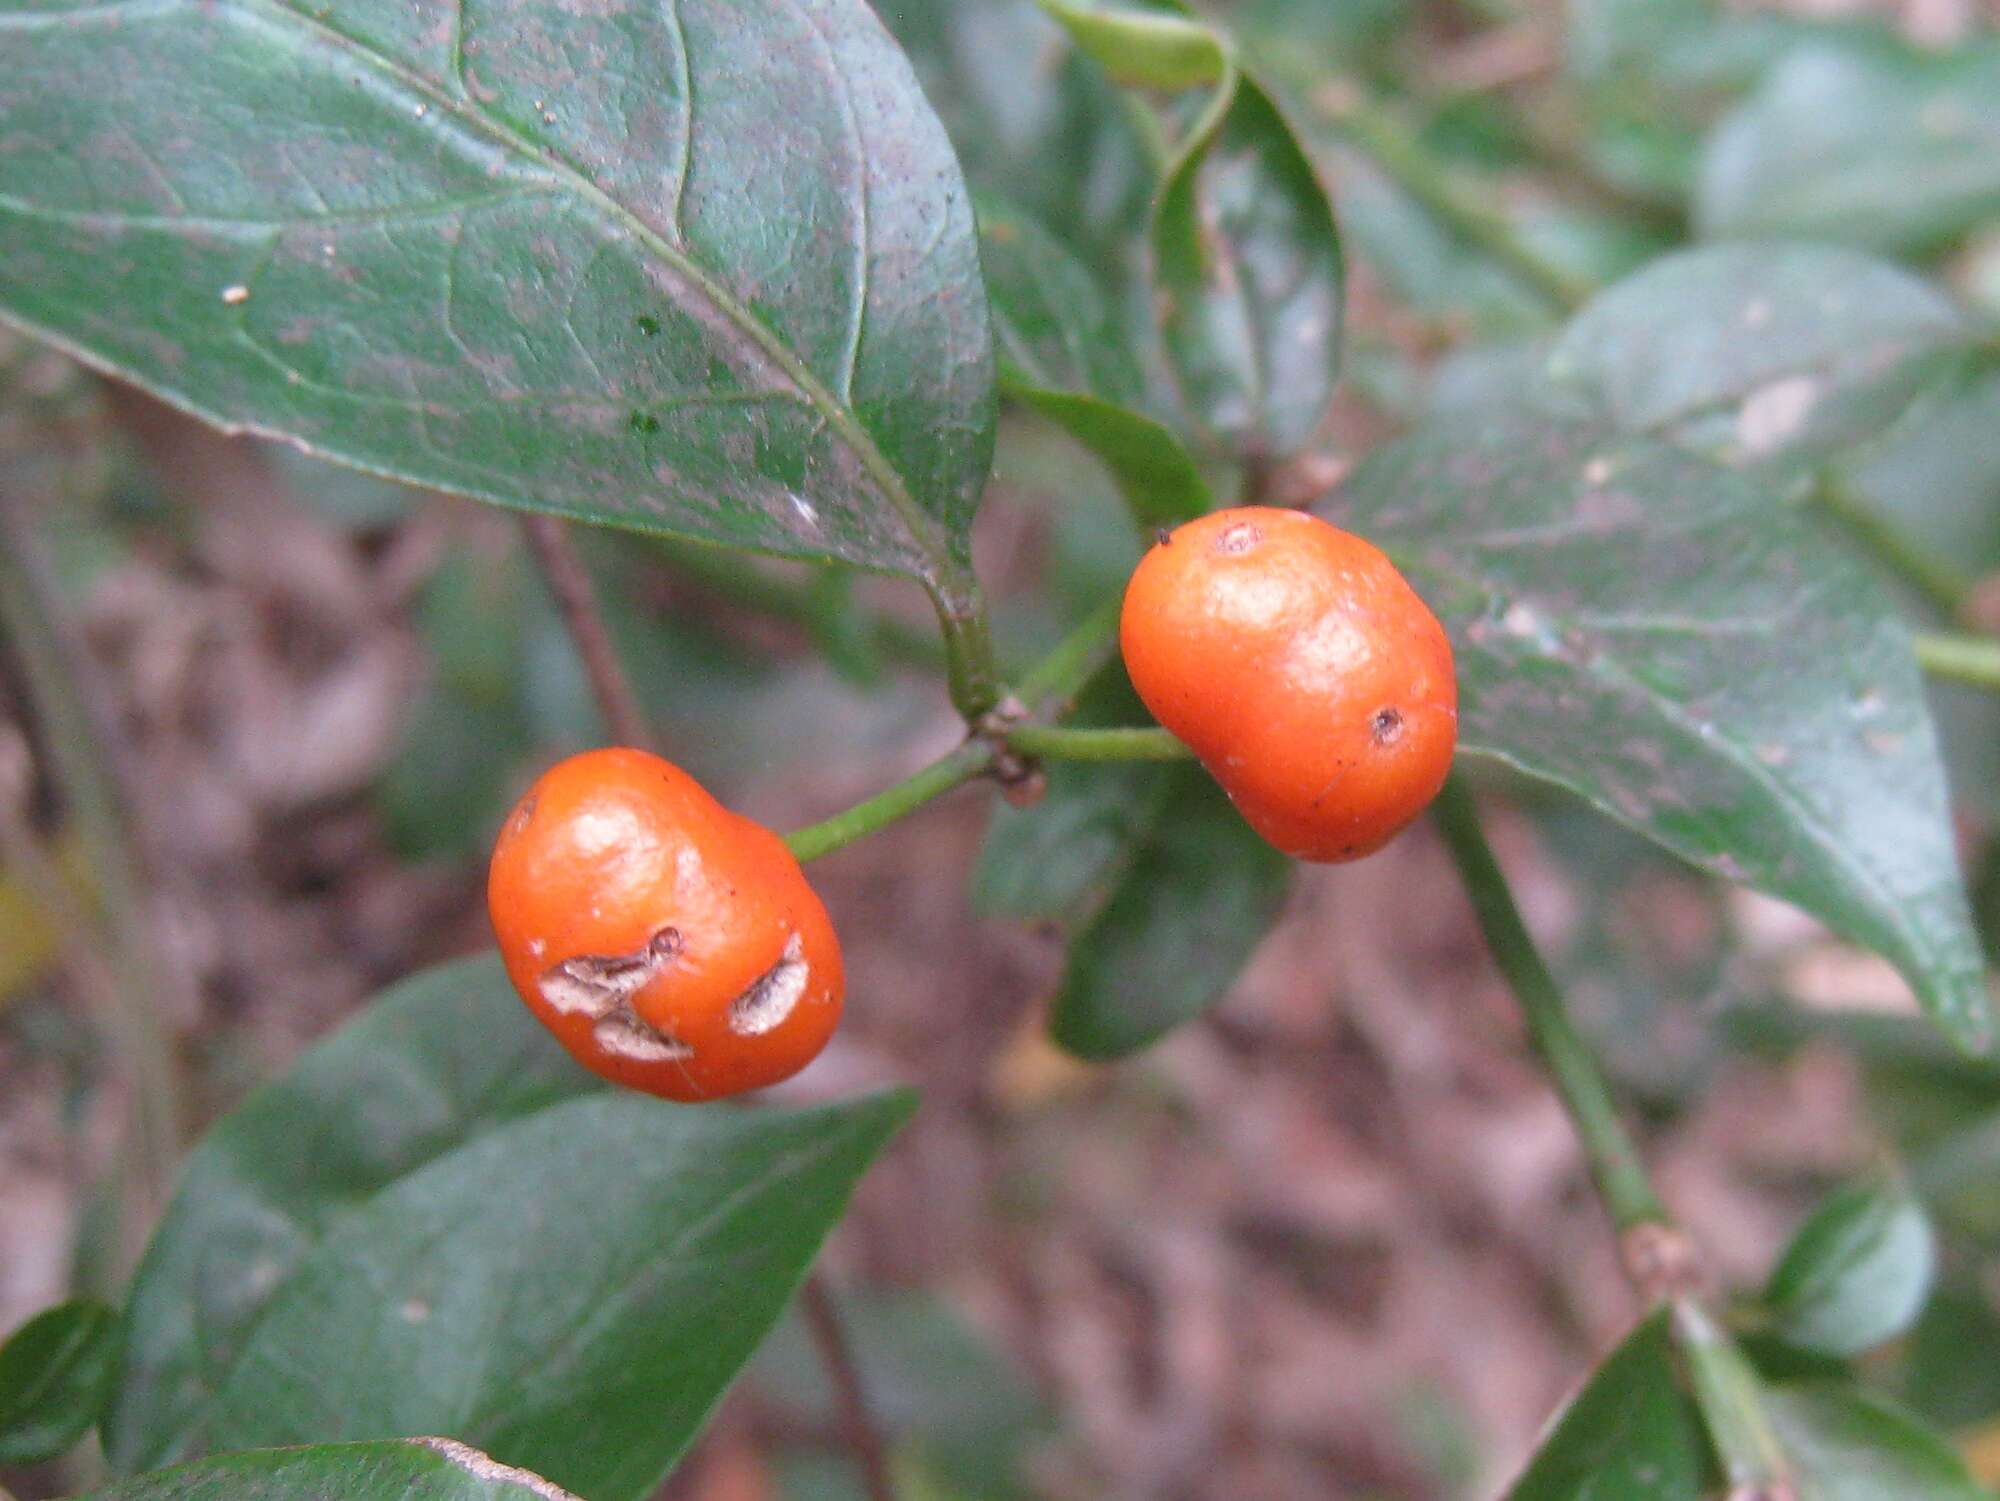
<point x="388" y="1095"/>
<point x="1760" y="349"/>
<point x="56" y="1374"/>
<point x="1651" y="631"/>
<point x="1191" y="901"/>
<point x="1849" y="1445"/>
<point x="1063" y="353"/>
<point x="1857" y="1273"/>
<point x="1248" y="269"/>
<point x="1862" y="146"/>
<point x="1150" y="49"/>
<point x="471" y="249"/>
<point x="1056" y="861"/>
<point x="464" y="1244"/>
<point x="1631" y="1432"/>
<point x="423" y="1469"/>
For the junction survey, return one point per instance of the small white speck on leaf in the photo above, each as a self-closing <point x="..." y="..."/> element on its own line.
<point x="1597" y="471"/>
<point x="1773" y="415"/>
<point x="236" y="294"/>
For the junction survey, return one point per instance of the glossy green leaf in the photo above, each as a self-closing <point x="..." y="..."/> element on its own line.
<point x="427" y="1228"/>
<point x="1063" y="353"/>
<point x="1865" y="147"/>
<point x="390" y="1094"/>
<point x="1857" y="1273"/>
<point x="1848" y="1445"/>
<point x="56" y="1374"/>
<point x="1631" y="1432"/>
<point x="1651" y="631"/>
<point x="423" y="1469"/>
<point x="1760" y="349"/>
<point x="707" y="268"/>
<point x="1191" y="901"/>
<point x="1249" y="277"/>
<point x="1153" y="49"/>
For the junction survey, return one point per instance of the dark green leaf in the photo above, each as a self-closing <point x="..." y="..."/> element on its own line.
<point x="470" y="249"/>
<point x="389" y="1094"/>
<point x="1054" y="861"/>
<point x="1857" y="1273"/>
<point x="424" y="1469"/>
<point x="1192" y="900"/>
<point x="1248" y="267"/>
<point x="56" y="1374"/>
<point x="1769" y="348"/>
<point x="1645" y="628"/>
<point x="1063" y="353"/>
<point x="1860" y="146"/>
<point x="1631" y="1432"/>
<point x="423" y="1229"/>
<point x="1848" y="1445"/>
<point x="571" y="1291"/>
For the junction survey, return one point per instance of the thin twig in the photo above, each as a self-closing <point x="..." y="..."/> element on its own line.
<point x="569" y="581"/>
<point x="857" y="1423"/>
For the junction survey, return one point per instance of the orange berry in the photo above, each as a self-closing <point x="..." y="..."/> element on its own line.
<point x="671" y="945"/>
<point x="1302" y="669"/>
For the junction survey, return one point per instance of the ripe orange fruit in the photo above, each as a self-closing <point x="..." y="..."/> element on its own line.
<point x="1302" y="669"/>
<point x="671" y="945"/>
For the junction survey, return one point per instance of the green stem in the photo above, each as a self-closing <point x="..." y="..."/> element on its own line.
<point x="1731" y="1399"/>
<point x="1463" y="209"/>
<point x="1961" y="659"/>
<point x="968" y="648"/>
<point x="969" y="760"/>
<point x="1939" y="582"/>
<point x="1057" y="743"/>
<point x="1615" y="1164"/>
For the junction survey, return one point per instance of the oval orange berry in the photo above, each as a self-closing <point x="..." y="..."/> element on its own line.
<point x="1302" y="669"/>
<point x="671" y="945"/>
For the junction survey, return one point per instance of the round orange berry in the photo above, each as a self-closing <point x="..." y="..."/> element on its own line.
<point x="1302" y="669"/>
<point x="671" y="945"/>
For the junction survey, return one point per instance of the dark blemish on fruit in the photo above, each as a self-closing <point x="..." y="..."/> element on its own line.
<point x="1162" y="537"/>
<point x="1388" y="726"/>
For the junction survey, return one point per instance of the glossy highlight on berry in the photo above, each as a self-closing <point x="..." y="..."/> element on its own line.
<point x="1302" y="669"/>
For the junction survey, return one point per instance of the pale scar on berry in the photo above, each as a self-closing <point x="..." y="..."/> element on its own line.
<point x="1238" y="539"/>
<point x="765" y="1005"/>
<point x="601" y="986"/>
<point x="1388" y="726"/>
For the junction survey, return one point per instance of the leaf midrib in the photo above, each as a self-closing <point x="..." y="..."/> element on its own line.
<point x="920" y="525"/>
